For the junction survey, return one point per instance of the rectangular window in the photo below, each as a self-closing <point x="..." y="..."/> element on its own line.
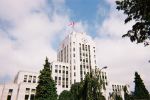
<point x="30" y="78"/>
<point x="25" y="78"/>
<point x="27" y="90"/>
<point x="73" y="49"/>
<point x="33" y="91"/>
<point x="10" y="91"/>
<point x="9" y="97"/>
<point x="59" y="81"/>
<point x="66" y="72"/>
<point x="34" y="79"/>
<point x="56" y="66"/>
<point x="82" y="46"/>
<point x="74" y="74"/>
<point x="55" y="70"/>
<point x="26" y="97"/>
<point x="9" y="94"/>
<point x="59" y="71"/>
<point x="66" y="86"/>
<point x="56" y="79"/>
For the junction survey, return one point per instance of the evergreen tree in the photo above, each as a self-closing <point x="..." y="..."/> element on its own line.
<point x="140" y="91"/>
<point x="65" y="95"/>
<point x="139" y="11"/>
<point x="46" y="88"/>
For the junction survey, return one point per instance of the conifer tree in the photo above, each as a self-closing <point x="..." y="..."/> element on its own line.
<point x="46" y="89"/>
<point x="140" y="91"/>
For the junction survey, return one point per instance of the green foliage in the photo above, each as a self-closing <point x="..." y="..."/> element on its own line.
<point x="46" y="88"/>
<point x="140" y="91"/>
<point x="92" y="86"/>
<point x="126" y="95"/>
<point x="76" y="91"/>
<point x="118" y="97"/>
<point x="89" y="89"/>
<point x="139" y="11"/>
<point x="65" y="95"/>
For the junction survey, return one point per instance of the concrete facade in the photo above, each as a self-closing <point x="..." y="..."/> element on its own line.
<point x="75" y="58"/>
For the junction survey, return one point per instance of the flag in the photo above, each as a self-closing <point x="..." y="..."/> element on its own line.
<point x="72" y="24"/>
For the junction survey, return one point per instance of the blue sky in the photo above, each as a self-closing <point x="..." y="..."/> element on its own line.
<point x="30" y="30"/>
<point x="87" y="12"/>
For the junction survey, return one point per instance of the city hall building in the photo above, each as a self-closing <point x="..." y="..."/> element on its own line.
<point x="76" y="57"/>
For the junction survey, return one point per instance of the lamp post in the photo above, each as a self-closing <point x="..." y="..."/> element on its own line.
<point x="105" y="67"/>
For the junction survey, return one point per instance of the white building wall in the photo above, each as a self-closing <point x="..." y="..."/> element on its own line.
<point x="61" y="75"/>
<point x="72" y="42"/>
<point x="22" y="90"/>
<point x="5" y="91"/>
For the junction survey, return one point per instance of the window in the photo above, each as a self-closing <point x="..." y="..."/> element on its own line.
<point x="34" y="79"/>
<point x="55" y="70"/>
<point x="66" y="79"/>
<point x="63" y="71"/>
<point x="74" y="67"/>
<point x="10" y="91"/>
<point x="26" y="97"/>
<point x="59" y="81"/>
<point x="66" y="86"/>
<point x="59" y="78"/>
<point x="56" y="79"/>
<point x="9" y="97"/>
<point x="83" y="54"/>
<point x="56" y="66"/>
<point x="9" y="94"/>
<point x="66" y="72"/>
<point x="83" y="46"/>
<point x="73" y="55"/>
<point x="73" y="49"/>
<point x="27" y="90"/>
<point x="74" y="74"/>
<point x="25" y="78"/>
<point x="30" y="78"/>
<point x="59" y="71"/>
<point x="33" y="91"/>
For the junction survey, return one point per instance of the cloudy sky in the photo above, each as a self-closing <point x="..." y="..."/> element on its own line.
<point x="30" y="30"/>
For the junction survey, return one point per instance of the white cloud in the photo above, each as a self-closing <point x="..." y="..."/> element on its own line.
<point x="121" y="56"/>
<point x="34" y="25"/>
<point x="29" y="33"/>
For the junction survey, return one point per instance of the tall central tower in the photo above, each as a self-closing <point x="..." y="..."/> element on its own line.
<point x="78" y="50"/>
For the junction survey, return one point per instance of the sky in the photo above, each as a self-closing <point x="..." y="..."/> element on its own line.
<point x="30" y="30"/>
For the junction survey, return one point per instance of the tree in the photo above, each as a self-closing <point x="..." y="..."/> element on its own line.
<point x="46" y="88"/>
<point x="140" y="91"/>
<point x="88" y="89"/>
<point x="76" y="91"/>
<point x="139" y="11"/>
<point x="118" y="97"/>
<point x="127" y="96"/>
<point x="92" y="86"/>
<point x="65" y="95"/>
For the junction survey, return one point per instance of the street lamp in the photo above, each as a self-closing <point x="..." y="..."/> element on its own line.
<point x="105" y="67"/>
